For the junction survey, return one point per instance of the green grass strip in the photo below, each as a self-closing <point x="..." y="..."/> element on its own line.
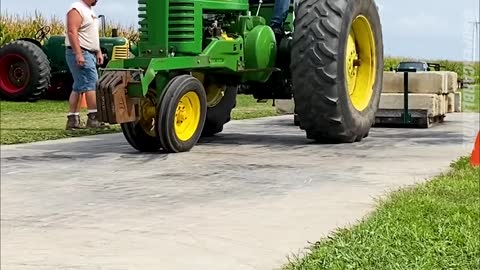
<point x="435" y="225"/>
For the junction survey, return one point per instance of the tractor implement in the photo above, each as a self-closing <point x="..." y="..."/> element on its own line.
<point x="194" y="57"/>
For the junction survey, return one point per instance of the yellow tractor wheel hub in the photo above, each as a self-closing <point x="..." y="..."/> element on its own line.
<point x="148" y="113"/>
<point x="215" y="94"/>
<point x="187" y="116"/>
<point x="360" y="66"/>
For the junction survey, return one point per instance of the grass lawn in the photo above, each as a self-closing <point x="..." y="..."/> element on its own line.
<point x="435" y="225"/>
<point x="472" y="102"/>
<point x="247" y="108"/>
<point x="23" y="122"/>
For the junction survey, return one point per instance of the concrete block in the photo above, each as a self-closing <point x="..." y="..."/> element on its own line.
<point x="451" y="103"/>
<point x="452" y="84"/>
<point x="441" y="105"/>
<point x="430" y="102"/>
<point x="432" y="82"/>
<point x="419" y="82"/>
<point x="458" y="102"/>
<point x="392" y="82"/>
<point x="285" y="106"/>
<point x="443" y="99"/>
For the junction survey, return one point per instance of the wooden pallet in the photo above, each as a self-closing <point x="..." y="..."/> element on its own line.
<point x="419" y="118"/>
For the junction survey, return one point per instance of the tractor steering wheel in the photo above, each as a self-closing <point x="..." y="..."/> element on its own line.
<point x="42" y="33"/>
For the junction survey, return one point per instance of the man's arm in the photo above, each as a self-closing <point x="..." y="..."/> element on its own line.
<point x="99" y="55"/>
<point x="74" y="21"/>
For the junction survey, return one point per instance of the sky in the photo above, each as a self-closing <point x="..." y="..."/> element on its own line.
<point x="424" y="29"/>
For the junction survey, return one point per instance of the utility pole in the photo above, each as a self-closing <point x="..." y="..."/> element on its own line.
<point x="475" y="37"/>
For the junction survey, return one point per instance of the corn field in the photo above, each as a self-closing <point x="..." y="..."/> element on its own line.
<point x="15" y="26"/>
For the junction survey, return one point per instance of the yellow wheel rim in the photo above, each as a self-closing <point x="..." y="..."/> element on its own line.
<point x="360" y="66"/>
<point x="215" y="94"/>
<point x="187" y="116"/>
<point x="148" y="106"/>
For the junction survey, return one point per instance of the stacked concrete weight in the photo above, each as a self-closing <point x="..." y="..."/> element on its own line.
<point x="285" y="106"/>
<point x="436" y="91"/>
<point x="432" y="91"/>
<point x="454" y="96"/>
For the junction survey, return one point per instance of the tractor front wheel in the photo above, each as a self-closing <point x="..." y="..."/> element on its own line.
<point x="181" y="114"/>
<point x="337" y="68"/>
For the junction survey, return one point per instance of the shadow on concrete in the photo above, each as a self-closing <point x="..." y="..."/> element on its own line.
<point x="254" y="139"/>
<point x="276" y="133"/>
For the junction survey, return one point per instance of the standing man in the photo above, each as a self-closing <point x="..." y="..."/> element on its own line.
<point x="83" y="54"/>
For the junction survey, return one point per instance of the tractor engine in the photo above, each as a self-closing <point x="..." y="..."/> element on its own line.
<point x="212" y="25"/>
<point x="278" y="86"/>
<point x="217" y="25"/>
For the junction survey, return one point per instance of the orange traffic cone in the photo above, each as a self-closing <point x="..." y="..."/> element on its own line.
<point x="475" y="158"/>
<point x="83" y="101"/>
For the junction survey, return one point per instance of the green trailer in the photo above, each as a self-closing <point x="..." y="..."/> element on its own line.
<point x="195" y="57"/>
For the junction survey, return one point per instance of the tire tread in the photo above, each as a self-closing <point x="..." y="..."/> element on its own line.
<point x="40" y="69"/>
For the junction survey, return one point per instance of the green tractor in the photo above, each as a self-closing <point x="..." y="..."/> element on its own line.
<point x="195" y="56"/>
<point x="35" y="68"/>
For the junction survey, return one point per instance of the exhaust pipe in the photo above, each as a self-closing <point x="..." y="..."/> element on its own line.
<point x="104" y="25"/>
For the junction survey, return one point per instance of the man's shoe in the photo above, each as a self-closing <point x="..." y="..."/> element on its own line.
<point x="73" y="122"/>
<point x="92" y="122"/>
<point x="279" y="33"/>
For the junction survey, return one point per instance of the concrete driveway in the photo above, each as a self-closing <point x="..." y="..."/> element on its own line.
<point x="245" y="200"/>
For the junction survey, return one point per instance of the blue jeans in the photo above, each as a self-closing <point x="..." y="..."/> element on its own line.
<point x="85" y="77"/>
<point x="280" y="12"/>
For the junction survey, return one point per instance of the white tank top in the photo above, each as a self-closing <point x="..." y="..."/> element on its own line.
<point x="88" y="32"/>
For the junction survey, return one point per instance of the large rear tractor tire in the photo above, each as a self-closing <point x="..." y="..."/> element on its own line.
<point x="24" y="71"/>
<point x="337" y="68"/>
<point x="181" y="114"/>
<point x="220" y="114"/>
